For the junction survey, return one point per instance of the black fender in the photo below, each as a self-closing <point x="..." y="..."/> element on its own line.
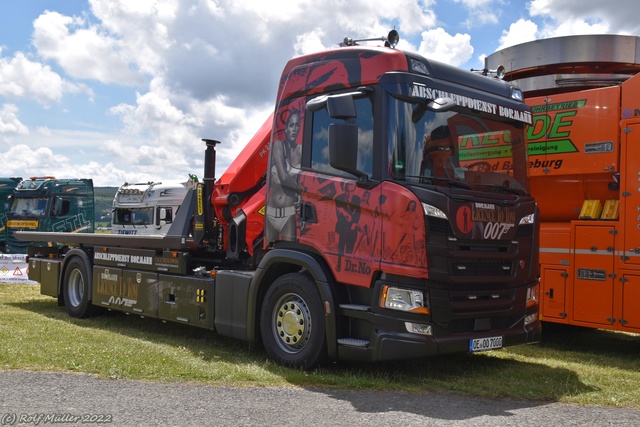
<point x="277" y="262"/>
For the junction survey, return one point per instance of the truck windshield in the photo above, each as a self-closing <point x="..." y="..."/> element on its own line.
<point x="136" y="216"/>
<point x="29" y="207"/>
<point x="455" y="148"/>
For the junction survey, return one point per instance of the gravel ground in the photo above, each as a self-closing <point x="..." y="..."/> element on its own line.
<point x="30" y="398"/>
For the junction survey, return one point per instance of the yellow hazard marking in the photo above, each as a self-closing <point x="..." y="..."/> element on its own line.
<point x="199" y="199"/>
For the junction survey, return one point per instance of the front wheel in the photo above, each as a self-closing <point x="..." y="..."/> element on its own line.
<point x="77" y="289"/>
<point x="292" y="322"/>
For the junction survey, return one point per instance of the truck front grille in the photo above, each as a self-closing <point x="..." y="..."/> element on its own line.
<point x="471" y="310"/>
<point x="438" y="225"/>
<point x="465" y="326"/>
<point x="480" y="267"/>
<point x="482" y="245"/>
<point x="17" y="246"/>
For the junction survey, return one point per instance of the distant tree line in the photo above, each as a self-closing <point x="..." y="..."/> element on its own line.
<point x="103" y="199"/>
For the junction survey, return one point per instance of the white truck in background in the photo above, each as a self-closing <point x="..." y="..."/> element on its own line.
<point x="148" y="208"/>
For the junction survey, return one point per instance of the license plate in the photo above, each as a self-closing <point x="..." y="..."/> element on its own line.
<point x="483" y="344"/>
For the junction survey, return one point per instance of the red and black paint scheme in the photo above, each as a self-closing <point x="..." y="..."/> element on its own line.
<point x="380" y="213"/>
<point x="478" y="265"/>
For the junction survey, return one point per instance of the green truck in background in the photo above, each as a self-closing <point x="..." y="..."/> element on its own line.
<point x="49" y="204"/>
<point x="7" y="185"/>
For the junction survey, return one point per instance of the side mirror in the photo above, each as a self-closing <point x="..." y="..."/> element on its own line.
<point x="57" y="207"/>
<point x="343" y="148"/>
<point x="340" y="106"/>
<point x="441" y="104"/>
<point x="160" y="215"/>
<point x="436" y="105"/>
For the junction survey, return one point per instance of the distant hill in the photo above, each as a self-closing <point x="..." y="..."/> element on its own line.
<point x="103" y="197"/>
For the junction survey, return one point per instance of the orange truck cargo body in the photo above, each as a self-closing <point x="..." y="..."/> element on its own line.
<point x="567" y="149"/>
<point x="584" y="166"/>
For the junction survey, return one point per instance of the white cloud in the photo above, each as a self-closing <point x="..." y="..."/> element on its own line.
<point x="572" y="17"/>
<point x="109" y="162"/>
<point x="521" y="31"/>
<point x="83" y="53"/>
<point x="154" y="114"/>
<point x="146" y="28"/>
<point x="439" y="45"/>
<point x="9" y="123"/>
<point x="481" y="12"/>
<point x="23" y="78"/>
<point x="173" y="137"/>
<point x="574" y="27"/>
<point x="39" y="161"/>
<point x="309" y="42"/>
<point x="475" y="4"/>
<point x="44" y="131"/>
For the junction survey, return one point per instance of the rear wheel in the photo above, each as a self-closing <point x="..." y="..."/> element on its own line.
<point x="292" y="322"/>
<point x="77" y="288"/>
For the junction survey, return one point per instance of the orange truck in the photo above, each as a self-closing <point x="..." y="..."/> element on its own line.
<point x="584" y="167"/>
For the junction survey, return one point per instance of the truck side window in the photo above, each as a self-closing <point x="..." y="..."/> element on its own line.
<point x="164" y="214"/>
<point x="60" y="207"/>
<point x="320" y="140"/>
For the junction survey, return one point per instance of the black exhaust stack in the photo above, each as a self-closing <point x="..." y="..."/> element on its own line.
<point x="203" y="227"/>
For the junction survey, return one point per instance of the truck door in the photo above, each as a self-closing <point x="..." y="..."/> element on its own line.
<point x="630" y="215"/>
<point x="594" y="280"/>
<point x="338" y="217"/>
<point x="630" y="202"/>
<point x="630" y="316"/>
<point x="554" y="285"/>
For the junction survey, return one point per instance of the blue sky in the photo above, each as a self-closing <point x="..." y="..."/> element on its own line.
<point x="121" y="90"/>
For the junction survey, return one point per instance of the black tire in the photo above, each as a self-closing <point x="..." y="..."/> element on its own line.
<point x="76" y="289"/>
<point x="292" y="322"/>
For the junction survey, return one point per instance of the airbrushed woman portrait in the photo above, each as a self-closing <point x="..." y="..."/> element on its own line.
<point x="285" y="166"/>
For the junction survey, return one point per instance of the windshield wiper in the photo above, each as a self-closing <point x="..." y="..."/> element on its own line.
<point x="502" y="188"/>
<point x="452" y="182"/>
<point x="26" y="214"/>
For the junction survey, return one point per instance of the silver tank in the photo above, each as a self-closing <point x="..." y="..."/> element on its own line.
<point x="568" y="63"/>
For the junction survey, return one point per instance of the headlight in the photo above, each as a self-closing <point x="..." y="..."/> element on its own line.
<point x="418" y="66"/>
<point x="418" y="328"/>
<point x="433" y="211"/>
<point x="532" y="295"/>
<point x="516" y="94"/>
<point x="528" y="219"/>
<point x="530" y="318"/>
<point x="403" y="300"/>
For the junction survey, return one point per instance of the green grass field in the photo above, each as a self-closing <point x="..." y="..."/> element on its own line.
<point x="571" y="365"/>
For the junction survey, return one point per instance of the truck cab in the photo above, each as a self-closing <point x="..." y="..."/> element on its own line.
<point x="147" y="208"/>
<point x="7" y="185"/>
<point x="49" y="204"/>
<point x="406" y="179"/>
